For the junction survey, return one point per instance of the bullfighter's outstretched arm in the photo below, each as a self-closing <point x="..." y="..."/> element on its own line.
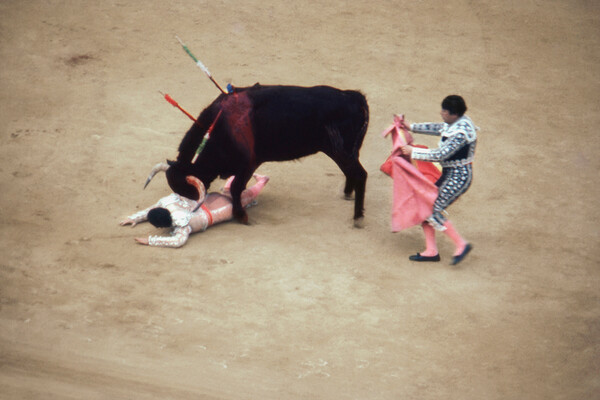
<point x="427" y="128"/>
<point x="445" y="151"/>
<point x="178" y="238"/>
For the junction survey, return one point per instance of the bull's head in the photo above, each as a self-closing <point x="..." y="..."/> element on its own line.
<point x="179" y="180"/>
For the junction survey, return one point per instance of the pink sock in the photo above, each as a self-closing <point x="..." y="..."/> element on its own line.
<point x="255" y="189"/>
<point x="431" y="245"/>
<point x="252" y="192"/>
<point x="227" y="186"/>
<point x="459" y="242"/>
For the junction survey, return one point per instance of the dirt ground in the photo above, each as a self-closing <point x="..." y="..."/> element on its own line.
<point x="299" y="304"/>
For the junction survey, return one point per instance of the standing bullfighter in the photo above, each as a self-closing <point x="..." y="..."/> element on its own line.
<point x="455" y="153"/>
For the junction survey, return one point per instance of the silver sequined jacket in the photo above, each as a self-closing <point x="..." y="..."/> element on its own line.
<point x="456" y="146"/>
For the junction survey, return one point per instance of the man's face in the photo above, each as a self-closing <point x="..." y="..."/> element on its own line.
<point x="447" y="117"/>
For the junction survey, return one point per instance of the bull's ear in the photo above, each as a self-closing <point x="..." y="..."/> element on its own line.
<point x="171" y="163"/>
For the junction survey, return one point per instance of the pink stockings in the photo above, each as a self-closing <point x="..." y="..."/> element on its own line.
<point x="249" y="194"/>
<point x="227" y="186"/>
<point x="431" y="246"/>
<point x="450" y="231"/>
<point x="458" y="240"/>
<point x="252" y="192"/>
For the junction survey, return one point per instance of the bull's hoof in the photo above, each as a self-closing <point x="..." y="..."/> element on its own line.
<point x="242" y="219"/>
<point x="348" y="196"/>
<point x="359" y="223"/>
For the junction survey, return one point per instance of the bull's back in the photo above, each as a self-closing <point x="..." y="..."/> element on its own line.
<point x="290" y="122"/>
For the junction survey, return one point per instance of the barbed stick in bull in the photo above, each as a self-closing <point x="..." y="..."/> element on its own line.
<point x="190" y="116"/>
<point x="200" y="65"/>
<point x="175" y="104"/>
<point x="206" y="137"/>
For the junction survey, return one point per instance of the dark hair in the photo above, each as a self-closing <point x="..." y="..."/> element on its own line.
<point x="160" y="217"/>
<point x="454" y="104"/>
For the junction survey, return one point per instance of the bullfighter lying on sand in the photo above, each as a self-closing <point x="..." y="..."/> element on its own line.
<point x="186" y="216"/>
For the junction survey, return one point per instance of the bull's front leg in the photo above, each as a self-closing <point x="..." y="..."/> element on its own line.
<point x="237" y="187"/>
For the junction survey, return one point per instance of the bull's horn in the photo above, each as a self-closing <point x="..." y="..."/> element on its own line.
<point x="197" y="183"/>
<point x="160" y="167"/>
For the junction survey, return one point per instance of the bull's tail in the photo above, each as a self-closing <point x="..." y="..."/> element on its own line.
<point x="346" y="136"/>
<point x="356" y="176"/>
<point x="363" y="130"/>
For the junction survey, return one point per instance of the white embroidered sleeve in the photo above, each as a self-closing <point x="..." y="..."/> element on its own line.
<point x="178" y="238"/>
<point x="446" y="150"/>
<point x="427" y="128"/>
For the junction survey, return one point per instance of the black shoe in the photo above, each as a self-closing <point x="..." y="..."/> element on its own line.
<point x="459" y="258"/>
<point x="419" y="257"/>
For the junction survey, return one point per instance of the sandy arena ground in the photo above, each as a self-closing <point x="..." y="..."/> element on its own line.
<point x="298" y="305"/>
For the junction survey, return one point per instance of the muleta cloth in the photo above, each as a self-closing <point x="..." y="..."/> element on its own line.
<point x="414" y="183"/>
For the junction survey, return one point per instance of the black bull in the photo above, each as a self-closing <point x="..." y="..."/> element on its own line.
<point x="274" y="123"/>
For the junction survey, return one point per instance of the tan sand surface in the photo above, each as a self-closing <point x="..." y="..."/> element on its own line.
<point x="298" y="305"/>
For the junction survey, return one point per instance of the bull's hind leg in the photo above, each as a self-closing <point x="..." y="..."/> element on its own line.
<point x="360" y="183"/>
<point x="348" y="189"/>
<point x="356" y="180"/>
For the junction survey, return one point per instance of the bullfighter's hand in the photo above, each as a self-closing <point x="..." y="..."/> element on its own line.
<point x="406" y="125"/>
<point x="143" y="241"/>
<point x="406" y="150"/>
<point x="401" y="122"/>
<point x="128" y="221"/>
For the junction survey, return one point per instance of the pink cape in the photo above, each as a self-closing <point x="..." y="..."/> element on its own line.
<point x="414" y="189"/>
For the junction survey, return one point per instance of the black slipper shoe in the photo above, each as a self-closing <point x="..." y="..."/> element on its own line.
<point x="419" y="257"/>
<point x="459" y="258"/>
